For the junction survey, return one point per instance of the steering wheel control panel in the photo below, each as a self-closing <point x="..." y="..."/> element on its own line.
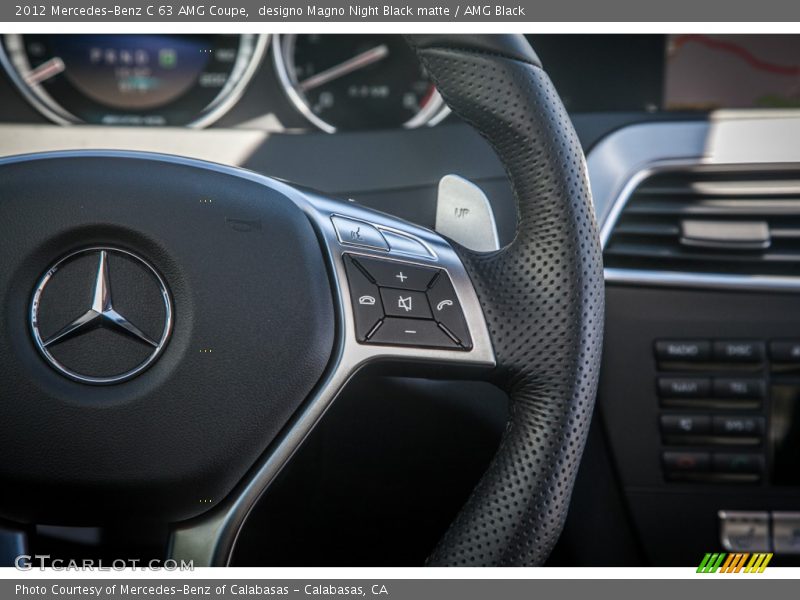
<point x="397" y="303"/>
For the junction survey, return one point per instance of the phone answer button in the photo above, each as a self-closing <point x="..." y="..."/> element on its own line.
<point x="446" y="309"/>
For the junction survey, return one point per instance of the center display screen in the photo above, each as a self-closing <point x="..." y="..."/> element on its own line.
<point x="674" y="73"/>
<point x="708" y="72"/>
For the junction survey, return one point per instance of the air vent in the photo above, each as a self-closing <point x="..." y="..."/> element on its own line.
<point x="700" y="222"/>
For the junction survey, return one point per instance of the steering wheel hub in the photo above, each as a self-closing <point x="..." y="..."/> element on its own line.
<point x="119" y="334"/>
<point x="200" y="300"/>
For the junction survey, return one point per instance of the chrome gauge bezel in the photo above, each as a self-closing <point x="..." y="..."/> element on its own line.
<point x="283" y="50"/>
<point x="251" y="52"/>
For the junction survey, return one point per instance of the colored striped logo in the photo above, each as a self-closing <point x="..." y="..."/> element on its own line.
<point x="734" y="562"/>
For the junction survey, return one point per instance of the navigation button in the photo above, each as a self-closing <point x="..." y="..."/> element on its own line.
<point x="387" y="273"/>
<point x="405" y="303"/>
<point x="412" y="332"/>
<point x="366" y="300"/>
<point x="684" y="387"/>
<point x="358" y="233"/>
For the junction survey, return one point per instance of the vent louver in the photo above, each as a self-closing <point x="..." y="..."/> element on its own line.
<point x="701" y="222"/>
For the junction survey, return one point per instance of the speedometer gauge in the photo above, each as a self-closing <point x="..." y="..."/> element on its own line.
<point x="132" y="79"/>
<point x="357" y="81"/>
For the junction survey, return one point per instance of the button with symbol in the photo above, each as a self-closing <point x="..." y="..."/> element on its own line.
<point x="685" y="424"/>
<point x="738" y="462"/>
<point x="747" y="425"/>
<point x="404" y="303"/>
<point x="358" y="233"/>
<point x="785" y="351"/>
<point x="786" y="532"/>
<point x="446" y="309"/>
<point x="686" y="462"/>
<point x="397" y="275"/>
<point x="412" y="332"/>
<point x="744" y="531"/>
<point x="367" y="309"/>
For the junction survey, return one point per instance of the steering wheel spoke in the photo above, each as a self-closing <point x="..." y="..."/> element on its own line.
<point x="404" y="301"/>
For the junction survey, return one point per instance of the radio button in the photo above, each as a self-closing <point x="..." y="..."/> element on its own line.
<point x="739" y="351"/>
<point x="739" y="388"/>
<point x="742" y="425"/>
<point x="684" y="387"/>
<point x="683" y="350"/>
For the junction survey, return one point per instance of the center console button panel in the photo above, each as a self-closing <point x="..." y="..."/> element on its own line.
<point x="711" y="396"/>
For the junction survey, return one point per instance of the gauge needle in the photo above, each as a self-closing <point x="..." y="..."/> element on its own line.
<point x="352" y="64"/>
<point x="45" y="71"/>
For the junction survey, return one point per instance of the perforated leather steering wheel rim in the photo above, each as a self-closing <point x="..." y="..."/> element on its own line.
<point x="542" y="297"/>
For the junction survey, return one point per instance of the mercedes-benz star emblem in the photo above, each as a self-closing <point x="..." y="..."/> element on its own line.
<point x="112" y="337"/>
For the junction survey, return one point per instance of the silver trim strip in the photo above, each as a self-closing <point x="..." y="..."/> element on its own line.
<point x="703" y="280"/>
<point x="730" y="142"/>
<point x="209" y="539"/>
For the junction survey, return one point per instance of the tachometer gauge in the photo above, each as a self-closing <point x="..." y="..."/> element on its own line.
<point x="132" y="79"/>
<point x="357" y="81"/>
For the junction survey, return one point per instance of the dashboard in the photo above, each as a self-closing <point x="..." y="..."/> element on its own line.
<point x="334" y="83"/>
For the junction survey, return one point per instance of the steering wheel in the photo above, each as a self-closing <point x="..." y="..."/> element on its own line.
<point x="173" y="329"/>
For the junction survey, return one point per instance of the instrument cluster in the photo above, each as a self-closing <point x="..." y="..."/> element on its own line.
<point x="336" y="82"/>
